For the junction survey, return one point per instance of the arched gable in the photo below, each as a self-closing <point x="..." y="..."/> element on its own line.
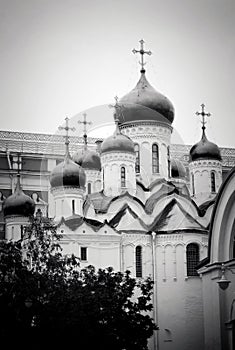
<point x="117" y="205"/>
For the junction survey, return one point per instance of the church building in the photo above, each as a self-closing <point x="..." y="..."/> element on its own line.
<point x="136" y="202"/>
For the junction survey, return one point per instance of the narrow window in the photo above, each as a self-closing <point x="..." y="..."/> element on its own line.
<point x="89" y="188"/>
<point x="137" y="161"/>
<point x="155" y="158"/>
<point x="73" y="206"/>
<point x="213" y="181"/>
<point x="123" y="176"/>
<point x="169" y="161"/>
<point x="83" y="253"/>
<point x="138" y="261"/>
<point x="193" y="185"/>
<point x="192" y="255"/>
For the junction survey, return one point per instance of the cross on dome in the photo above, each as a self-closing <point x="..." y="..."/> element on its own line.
<point x="203" y="114"/>
<point x="85" y="123"/>
<point x="142" y="53"/>
<point x="118" y="112"/>
<point x="66" y="128"/>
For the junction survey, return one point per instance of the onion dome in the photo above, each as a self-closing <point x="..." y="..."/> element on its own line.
<point x="204" y="149"/>
<point x="68" y="173"/>
<point x="144" y="103"/>
<point x="18" y="203"/>
<point x="177" y="169"/>
<point x="87" y="159"/>
<point x="118" y="143"/>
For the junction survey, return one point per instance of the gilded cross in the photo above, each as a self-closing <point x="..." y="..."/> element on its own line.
<point x="66" y="128"/>
<point x="118" y="109"/>
<point x="203" y="114"/>
<point x="85" y="123"/>
<point x="142" y="52"/>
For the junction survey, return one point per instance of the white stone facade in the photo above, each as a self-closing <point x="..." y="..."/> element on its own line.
<point x="112" y="164"/>
<point x="67" y="201"/>
<point x="146" y="135"/>
<point x="201" y="183"/>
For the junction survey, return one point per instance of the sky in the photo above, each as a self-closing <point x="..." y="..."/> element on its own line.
<point x="61" y="58"/>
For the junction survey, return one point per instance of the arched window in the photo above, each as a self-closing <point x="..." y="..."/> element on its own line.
<point x="89" y="188"/>
<point x="192" y="255"/>
<point x="193" y="185"/>
<point x="73" y="206"/>
<point x="155" y="158"/>
<point x="137" y="161"/>
<point x="138" y="261"/>
<point x="212" y="181"/>
<point x="123" y="176"/>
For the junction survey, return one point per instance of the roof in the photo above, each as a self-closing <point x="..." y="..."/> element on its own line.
<point x="36" y="143"/>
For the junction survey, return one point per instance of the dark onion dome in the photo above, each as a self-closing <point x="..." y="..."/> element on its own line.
<point x="144" y="103"/>
<point x="117" y="143"/>
<point x="177" y="169"/>
<point x="87" y="159"/>
<point x="18" y="203"/>
<point x="204" y="149"/>
<point x="68" y="173"/>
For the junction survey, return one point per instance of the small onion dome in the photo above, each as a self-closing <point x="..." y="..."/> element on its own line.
<point x="177" y="169"/>
<point x="68" y="173"/>
<point x="18" y="203"/>
<point x="87" y="159"/>
<point x="144" y="103"/>
<point x="204" y="149"/>
<point x="117" y="143"/>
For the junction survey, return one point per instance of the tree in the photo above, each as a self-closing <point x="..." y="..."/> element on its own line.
<point x="48" y="296"/>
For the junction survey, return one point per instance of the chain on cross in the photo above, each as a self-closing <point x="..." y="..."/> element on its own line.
<point x="66" y="128"/>
<point x="204" y="115"/>
<point x="142" y="53"/>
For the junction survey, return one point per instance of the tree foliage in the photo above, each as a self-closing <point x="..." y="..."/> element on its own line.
<point x="46" y="295"/>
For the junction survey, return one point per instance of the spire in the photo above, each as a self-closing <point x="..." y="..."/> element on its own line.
<point x="18" y="184"/>
<point x="66" y="128"/>
<point x="18" y="187"/>
<point x="142" y="52"/>
<point x="204" y="115"/>
<point x="85" y="123"/>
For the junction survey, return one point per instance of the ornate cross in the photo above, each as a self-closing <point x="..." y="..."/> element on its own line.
<point x="66" y="128"/>
<point x="203" y="114"/>
<point x="85" y="123"/>
<point x="118" y="109"/>
<point x="142" y="52"/>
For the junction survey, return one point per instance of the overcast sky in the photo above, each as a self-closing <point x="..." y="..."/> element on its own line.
<point x="59" y="58"/>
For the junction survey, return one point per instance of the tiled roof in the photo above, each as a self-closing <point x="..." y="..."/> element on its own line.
<point x="53" y="144"/>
